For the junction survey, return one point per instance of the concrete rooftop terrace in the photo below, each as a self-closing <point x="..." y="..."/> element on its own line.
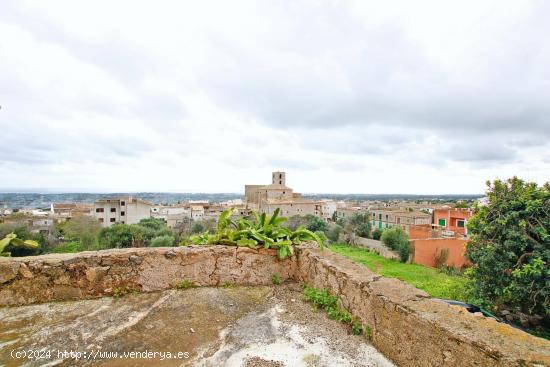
<point x="408" y="327"/>
<point x="234" y="326"/>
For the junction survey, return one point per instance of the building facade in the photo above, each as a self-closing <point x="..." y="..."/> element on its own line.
<point x="267" y="198"/>
<point x="405" y="219"/>
<point x="452" y="221"/>
<point x="126" y="210"/>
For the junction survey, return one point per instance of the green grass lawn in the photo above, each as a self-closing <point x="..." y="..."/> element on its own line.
<point x="435" y="283"/>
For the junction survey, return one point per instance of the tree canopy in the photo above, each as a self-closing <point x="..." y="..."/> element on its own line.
<point x="510" y="246"/>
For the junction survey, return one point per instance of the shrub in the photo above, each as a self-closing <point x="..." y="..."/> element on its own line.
<point x="197" y="227"/>
<point x="136" y="235"/>
<point x="377" y="233"/>
<point x="360" y="224"/>
<point x="68" y="247"/>
<point x="275" y="279"/>
<point x="308" y="221"/>
<point x="333" y="232"/>
<point x="441" y="257"/>
<point x="162" y="241"/>
<point x="396" y="239"/>
<point x="82" y="229"/>
<point x="509" y="246"/>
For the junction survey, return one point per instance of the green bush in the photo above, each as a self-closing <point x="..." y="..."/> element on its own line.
<point x="333" y="232"/>
<point x="309" y="221"/>
<point x="396" y="239"/>
<point x="162" y="241"/>
<point x="136" y="235"/>
<point x="68" y="247"/>
<point x="377" y="233"/>
<point x="360" y="224"/>
<point x="509" y="247"/>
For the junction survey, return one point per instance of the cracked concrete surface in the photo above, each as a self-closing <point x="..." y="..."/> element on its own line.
<point x="233" y="326"/>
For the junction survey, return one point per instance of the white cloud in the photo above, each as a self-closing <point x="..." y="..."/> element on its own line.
<point x="358" y="96"/>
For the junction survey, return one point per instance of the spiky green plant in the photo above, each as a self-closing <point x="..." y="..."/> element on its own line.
<point x="265" y="230"/>
<point x="11" y="241"/>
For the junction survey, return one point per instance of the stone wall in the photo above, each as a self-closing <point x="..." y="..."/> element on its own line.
<point x="26" y="280"/>
<point x="413" y="329"/>
<point x="407" y="326"/>
<point x="377" y="247"/>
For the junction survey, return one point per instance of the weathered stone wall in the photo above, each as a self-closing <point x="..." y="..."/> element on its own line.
<point x="407" y="326"/>
<point x="414" y="330"/>
<point x="26" y="280"/>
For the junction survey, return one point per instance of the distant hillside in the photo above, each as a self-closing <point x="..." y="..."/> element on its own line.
<point x="36" y="200"/>
<point x="33" y="200"/>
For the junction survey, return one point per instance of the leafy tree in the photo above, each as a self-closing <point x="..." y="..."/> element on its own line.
<point x="11" y="245"/>
<point x="134" y="235"/>
<point x="309" y="221"/>
<point x="82" y="229"/>
<point x="397" y="239"/>
<point x="155" y="224"/>
<point x="197" y="227"/>
<point x="509" y="246"/>
<point x="333" y="232"/>
<point x="360" y="224"/>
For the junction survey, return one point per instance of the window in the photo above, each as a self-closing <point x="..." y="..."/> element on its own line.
<point x="122" y="222"/>
<point x="122" y="213"/>
<point x="100" y="220"/>
<point x="442" y="222"/>
<point x="280" y="175"/>
<point x="460" y="223"/>
<point x="99" y="210"/>
<point x="112" y="220"/>
<point x="122" y="203"/>
<point x="113" y="210"/>
<point x="280" y="182"/>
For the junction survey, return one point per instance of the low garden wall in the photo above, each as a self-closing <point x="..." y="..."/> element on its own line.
<point x="405" y="324"/>
<point x="376" y="247"/>
<point x="413" y="329"/>
<point x="25" y="280"/>
<point x="426" y="250"/>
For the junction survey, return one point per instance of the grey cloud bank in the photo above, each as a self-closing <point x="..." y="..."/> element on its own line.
<point x="354" y="97"/>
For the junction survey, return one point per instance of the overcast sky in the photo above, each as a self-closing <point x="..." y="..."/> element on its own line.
<point x="424" y="97"/>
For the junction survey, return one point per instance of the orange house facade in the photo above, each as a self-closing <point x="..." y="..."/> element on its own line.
<point x="452" y="220"/>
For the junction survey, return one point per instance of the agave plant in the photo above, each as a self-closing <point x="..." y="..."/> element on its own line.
<point x="265" y="230"/>
<point x="11" y="241"/>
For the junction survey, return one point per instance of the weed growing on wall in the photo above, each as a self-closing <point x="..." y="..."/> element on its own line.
<point x="322" y="299"/>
